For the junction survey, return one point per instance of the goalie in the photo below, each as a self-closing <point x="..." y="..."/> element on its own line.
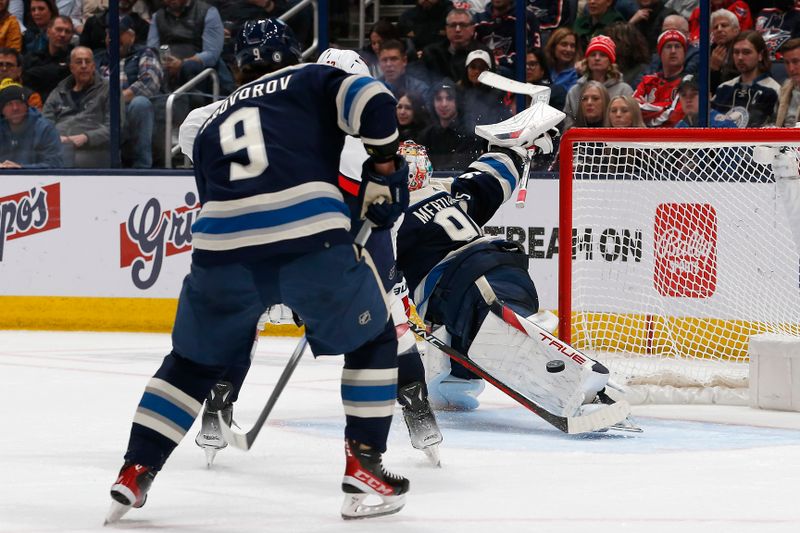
<point x="456" y="275"/>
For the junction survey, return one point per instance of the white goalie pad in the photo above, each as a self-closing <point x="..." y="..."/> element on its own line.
<point x="436" y="362"/>
<point x="520" y="360"/>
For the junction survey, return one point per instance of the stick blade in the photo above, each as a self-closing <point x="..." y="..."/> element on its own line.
<point x="237" y="439"/>
<point x="603" y="418"/>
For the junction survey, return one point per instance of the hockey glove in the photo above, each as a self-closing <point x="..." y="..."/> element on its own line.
<point x="383" y="198"/>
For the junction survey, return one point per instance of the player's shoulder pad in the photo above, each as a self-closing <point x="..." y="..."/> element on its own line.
<point x="192" y="125"/>
<point x="355" y="93"/>
<point x="427" y="192"/>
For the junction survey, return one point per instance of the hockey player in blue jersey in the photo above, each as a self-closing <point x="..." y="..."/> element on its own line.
<point x="411" y="394"/>
<point x="274" y="228"/>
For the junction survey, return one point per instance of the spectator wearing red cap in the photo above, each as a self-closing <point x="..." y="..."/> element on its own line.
<point x="600" y="65"/>
<point x="658" y="93"/>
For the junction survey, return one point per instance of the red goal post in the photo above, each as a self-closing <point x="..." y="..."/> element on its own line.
<point x="681" y="249"/>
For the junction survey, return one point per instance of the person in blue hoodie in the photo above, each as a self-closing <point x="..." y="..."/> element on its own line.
<point x="27" y="139"/>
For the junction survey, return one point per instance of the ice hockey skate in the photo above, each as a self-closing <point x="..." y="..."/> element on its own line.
<point x="365" y="479"/>
<point x="129" y="490"/>
<point x="420" y="420"/>
<point x="210" y="437"/>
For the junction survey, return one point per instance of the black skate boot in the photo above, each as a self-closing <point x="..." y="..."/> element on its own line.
<point x="210" y="437"/>
<point x="422" y="427"/>
<point x="129" y="490"/>
<point x="364" y="476"/>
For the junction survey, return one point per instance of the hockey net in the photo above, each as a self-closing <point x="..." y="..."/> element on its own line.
<point x="681" y="250"/>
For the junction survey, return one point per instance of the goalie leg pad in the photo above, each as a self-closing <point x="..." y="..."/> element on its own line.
<point x="446" y="391"/>
<point x="520" y="361"/>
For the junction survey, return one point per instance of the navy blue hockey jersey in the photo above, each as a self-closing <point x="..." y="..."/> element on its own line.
<point x="267" y="160"/>
<point x="438" y="225"/>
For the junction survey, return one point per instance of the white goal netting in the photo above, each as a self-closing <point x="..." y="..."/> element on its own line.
<point x="680" y="252"/>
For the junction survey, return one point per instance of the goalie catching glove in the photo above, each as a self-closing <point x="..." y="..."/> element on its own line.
<point x="383" y="198"/>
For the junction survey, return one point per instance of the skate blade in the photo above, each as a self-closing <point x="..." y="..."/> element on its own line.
<point x="354" y="507"/>
<point x="433" y="455"/>
<point x="626" y="426"/>
<point x="115" y="512"/>
<point x="211" y="453"/>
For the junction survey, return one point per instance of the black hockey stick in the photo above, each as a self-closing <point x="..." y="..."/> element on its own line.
<point x="597" y="420"/>
<point x="244" y="440"/>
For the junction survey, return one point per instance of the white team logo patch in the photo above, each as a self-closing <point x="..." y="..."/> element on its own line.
<point x="364" y="318"/>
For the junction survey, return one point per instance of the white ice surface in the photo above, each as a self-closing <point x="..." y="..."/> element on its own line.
<point x="68" y="398"/>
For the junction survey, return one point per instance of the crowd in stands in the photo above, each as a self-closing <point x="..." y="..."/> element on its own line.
<point x="608" y="63"/>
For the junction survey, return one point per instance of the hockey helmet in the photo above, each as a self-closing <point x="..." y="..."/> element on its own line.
<point x="266" y="43"/>
<point x="419" y="165"/>
<point x="346" y="60"/>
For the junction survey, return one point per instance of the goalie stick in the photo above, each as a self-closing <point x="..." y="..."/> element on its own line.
<point x="598" y="420"/>
<point x="244" y="440"/>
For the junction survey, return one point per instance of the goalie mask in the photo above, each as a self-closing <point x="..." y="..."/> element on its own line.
<point x="419" y="166"/>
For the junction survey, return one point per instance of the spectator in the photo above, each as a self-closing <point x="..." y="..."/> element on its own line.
<point x="193" y="31"/>
<point x="27" y="140"/>
<point x="10" y="34"/>
<point x="79" y="108"/>
<point x="657" y="93"/>
<point x="393" y="61"/>
<point x="382" y="30"/>
<point x="689" y="94"/>
<point x="537" y="73"/>
<point x="94" y="30"/>
<point x="600" y="13"/>
<point x="787" y="113"/>
<point x="691" y="62"/>
<point x="11" y="68"/>
<point x="778" y="24"/>
<point x="600" y="65"/>
<point x="623" y="112"/>
<point x="412" y="117"/>
<point x="447" y="59"/>
<point x="42" y="13"/>
<point x="632" y="55"/>
<point x="649" y="19"/>
<point x="43" y="70"/>
<point x="724" y="29"/>
<point x="450" y="146"/>
<point x="481" y="104"/>
<point x="737" y="7"/>
<point x="561" y="53"/>
<point x="141" y="79"/>
<point x="424" y="22"/>
<point x="754" y="89"/>
<point x="592" y="107"/>
<point x="496" y="28"/>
